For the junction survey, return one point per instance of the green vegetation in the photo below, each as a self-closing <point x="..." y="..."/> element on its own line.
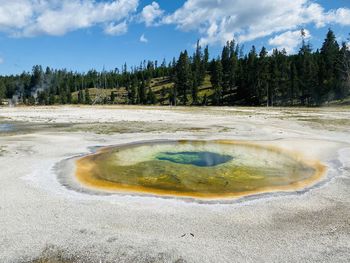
<point x="309" y="78"/>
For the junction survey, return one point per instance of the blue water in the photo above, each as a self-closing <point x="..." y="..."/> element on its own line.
<point x="202" y="159"/>
<point x="5" y="127"/>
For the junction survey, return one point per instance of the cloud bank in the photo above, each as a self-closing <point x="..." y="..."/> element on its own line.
<point x="57" y="17"/>
<point x="246" y="20"/>
<point x="216" y="21"/>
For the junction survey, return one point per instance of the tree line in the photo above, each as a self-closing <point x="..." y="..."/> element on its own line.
<point x="258" y="78"/>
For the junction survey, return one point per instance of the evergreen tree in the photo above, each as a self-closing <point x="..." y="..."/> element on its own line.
<point x="63" y="97"/>
<point x="69" y="96"/>
<point x="194" y="93"/>
<point x="329" y="58"/>
<point x="151" y="97"/>
<point x="183" y="77"/>
<point x="52" y="99"/>
<point x="80" y="97"/>
<point x="263" y="76"/>
<point x="162" y="95"/>
<point x="274" y="78"/>
<point x="217" y="81"/>
<point x="132" y="92"/>
<point x="197" y="73"/>
<point x="232" y="78"/>
<point x="294" y="82"/>
<point x="226" y="68"/>
<point x="308" y="82"/>
<point x="142" y="92"/>
<point x="284" y="80"/>
<point x="87" y="97"/>
<point x="344" y="72"/>
<point x="112" y="97"/>
<point x="2" y="91"/>
<point x="204" y="63"/>
<point x="252" y="94"/>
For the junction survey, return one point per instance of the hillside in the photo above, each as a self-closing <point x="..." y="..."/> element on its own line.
<point x="160" y="86"/>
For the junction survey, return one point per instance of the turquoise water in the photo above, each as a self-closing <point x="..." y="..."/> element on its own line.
<point x="201" y="159"/>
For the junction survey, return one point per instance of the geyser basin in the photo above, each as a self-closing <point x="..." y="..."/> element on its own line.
<point x="199" y="169"/>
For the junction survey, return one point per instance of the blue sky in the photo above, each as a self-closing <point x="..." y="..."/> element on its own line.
<point x="84" y="34"/>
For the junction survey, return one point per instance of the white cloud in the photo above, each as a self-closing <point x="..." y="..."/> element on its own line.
<point x="289" y="40"/>
<point x="14" y="14"/>
<point x="340" y="16"/>
<point x="2" y="61"/>
<point x="150" y="13"/>
<point x="116" y="29"/>
<point x="221" y="20"/>
<point x="55" y="17"/>
<point x="143" y="39"/>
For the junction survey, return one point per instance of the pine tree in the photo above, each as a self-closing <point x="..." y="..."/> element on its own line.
<point x="294" y="82"/>
<point x="204" y="63"/>
<point x="197" y="73"/>
<point x="69" y="96"/>
<point x="252" y="97"/>
<point x="52" y="99"/>
<point x="263" y="75"/>
<point x="142" y="92"/>
<point x="173" y="96"/>
<point x="232" y="78"/>
<point x="132" y="92"/>
<point x="80" y="97"/>
<point x="63" y="96"/>
<point x="226" y="68"/>
<point x="151" y="97"/>
<point x="112" y="97"/>
<point x="162" y="95"/>
<point x="217" y="81"/>
<point x="308" y="83"/>
<point x="344" y="71"/>
<point x="36" y="78"/>
<point x="87" y="97"/>
<point x="194" y="93"/>
<point x="2" y="91"/>
<point x="274" y="78"/>
<point x="183" y="77"/>
<point x="284" y="81"/>
<point x="329" y="56"/>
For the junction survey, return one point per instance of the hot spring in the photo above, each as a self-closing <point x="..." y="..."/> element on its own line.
<point x="198" y="169"/>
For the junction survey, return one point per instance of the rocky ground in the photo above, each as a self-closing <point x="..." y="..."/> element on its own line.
<point x="43" y="221"/>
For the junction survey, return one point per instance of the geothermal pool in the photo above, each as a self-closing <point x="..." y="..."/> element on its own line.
<point x="197" y="169"/>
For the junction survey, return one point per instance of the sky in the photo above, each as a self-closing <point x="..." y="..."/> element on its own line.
<point x="103" y="34"/>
